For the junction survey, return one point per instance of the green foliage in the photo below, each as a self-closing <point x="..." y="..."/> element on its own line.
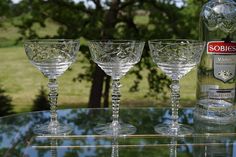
<point x="41" y="101"/>
<point x="6" y="107"/>
<point x="5" y="7"/>
<point x="191" y="16"/>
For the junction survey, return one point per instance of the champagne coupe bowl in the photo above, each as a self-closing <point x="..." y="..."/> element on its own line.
<point x="116" y="58"/>
<point x="52" y="57"/>
<point x="175" y="58"/>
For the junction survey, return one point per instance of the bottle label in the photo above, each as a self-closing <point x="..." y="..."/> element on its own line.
<point x="221" y="47"/>
<point x="206" y="88"/>
<point x="221" y="93"/>
<point x="224" y="67"/>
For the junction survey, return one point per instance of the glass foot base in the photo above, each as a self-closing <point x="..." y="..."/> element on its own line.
<point x="109" y="129"/>
<point x="166" y="129"/>
<point x="45" y="129"/>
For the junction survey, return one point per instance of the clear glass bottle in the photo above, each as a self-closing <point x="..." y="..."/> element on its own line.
<point x="216" y="71"/>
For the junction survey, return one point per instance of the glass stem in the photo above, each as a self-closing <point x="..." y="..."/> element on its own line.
<point x="115" y="101"/>
<point x="173" y="147"/>
<point x="53" y="86"/>
<point x="175" y="95"/>
<point x="54" y="145"/>
<point x="115" y="147"/>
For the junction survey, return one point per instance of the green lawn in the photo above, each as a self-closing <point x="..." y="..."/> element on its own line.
<point x="23" y="81"/>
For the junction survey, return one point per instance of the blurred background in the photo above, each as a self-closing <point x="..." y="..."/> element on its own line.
<point x="23" y="88"/>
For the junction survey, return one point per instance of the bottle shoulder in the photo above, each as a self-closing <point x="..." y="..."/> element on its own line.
<point x="218" y="14"/>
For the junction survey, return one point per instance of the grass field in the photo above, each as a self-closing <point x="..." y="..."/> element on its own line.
<point x="23" y="81"/>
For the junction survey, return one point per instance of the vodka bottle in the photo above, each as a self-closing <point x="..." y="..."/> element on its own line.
<point x="216" y="71"/>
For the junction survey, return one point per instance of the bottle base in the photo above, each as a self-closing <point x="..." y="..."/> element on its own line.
<point x="207" y="117"/>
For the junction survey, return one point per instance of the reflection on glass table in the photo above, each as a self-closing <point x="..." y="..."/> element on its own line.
<point x="17" y="138"/>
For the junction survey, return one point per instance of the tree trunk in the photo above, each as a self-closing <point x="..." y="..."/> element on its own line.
<point x="96" y="89"/>
<point x="98" y="76"/>
<point x="106" y="92"/>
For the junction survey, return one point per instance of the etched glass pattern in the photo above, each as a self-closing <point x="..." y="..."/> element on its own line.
<point x="116" y="57"/>
<point x="52" y="57"/>
<point x="220" y="15"/>
<point x="176" y="58"/>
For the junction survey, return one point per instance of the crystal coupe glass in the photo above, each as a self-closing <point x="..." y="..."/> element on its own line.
<point x="176" y="58"/>
<point x="115" y="58"/>
<point x="52" y="57"/>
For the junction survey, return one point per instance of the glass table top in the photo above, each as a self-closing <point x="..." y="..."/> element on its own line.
<point x="208" y="140"/>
